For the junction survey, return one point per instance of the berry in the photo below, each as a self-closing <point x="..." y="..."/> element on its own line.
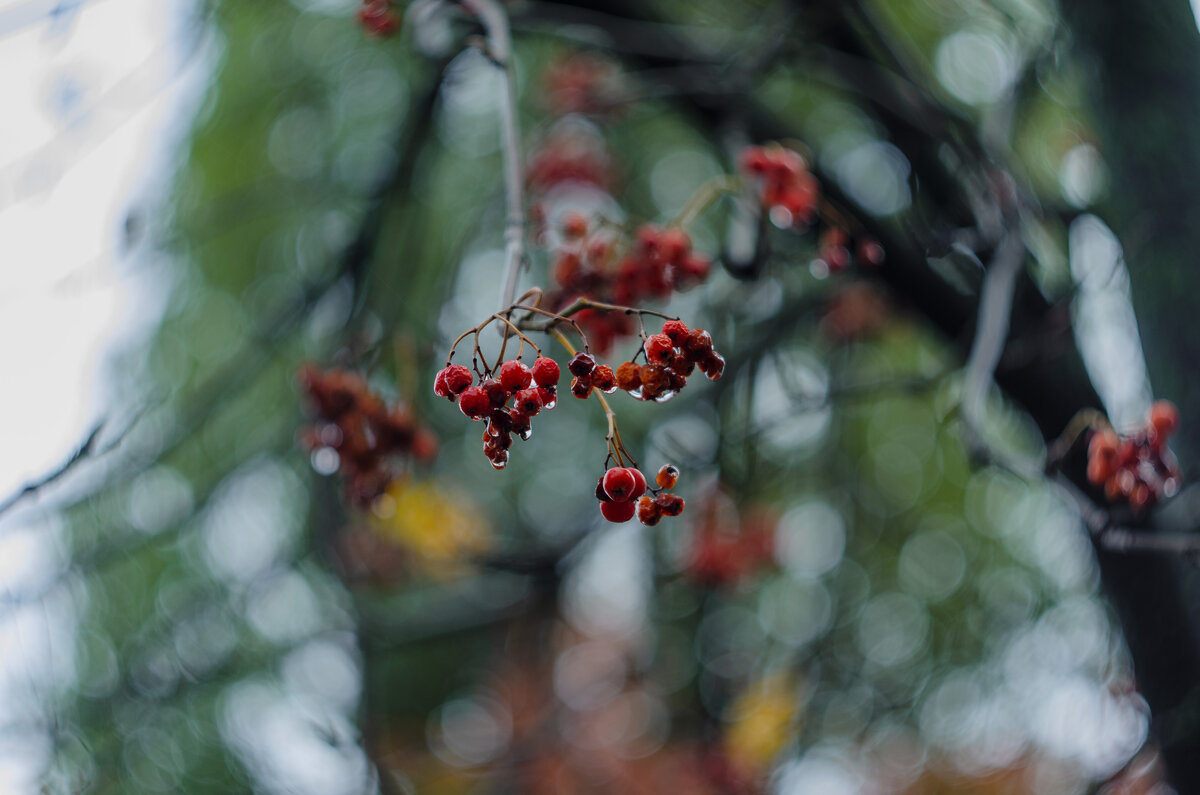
<point x="1164" y="418"/>
<point x="698" y="344"/>
<point x="545" y="372"/>
<point x="676" y="331"/>
<point x="581" y="364"/>
<point x="659" y="348"/>
<point x="629" y="376"/>
<point x="603" y="379"/>
<point x="1103" y="444"/>
<point x="617" y="511"/>
<point x="667" y="477"/>
<point x="440" y="387"/>
<point x="713" y="365"/>
<point x="458" y="378"/>
<point x="495" y="390"/>
<point x="601" y="494"/>
<point x="648" y="512"/>
<point x="549" y="396"/>
<point x="619" y="483"/>
<point x="474" y="402"/>
<point x="581" y="387"/>
<point x="514" y="375"/>
<point x="528" y="401"/>
<point x="669" y="504"/>
<point x="575" y="226"/>
<point x="639" y="483"/>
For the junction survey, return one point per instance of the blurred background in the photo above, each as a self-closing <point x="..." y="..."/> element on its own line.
<point x="869" y="589"/>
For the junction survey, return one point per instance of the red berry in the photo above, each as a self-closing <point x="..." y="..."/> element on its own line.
<point x="648" y="512"/>
<point x="458" y="378"/>
<point x="549" y="396"/>
<point x="629" y="376"/>
<point x="495" y="391"/>
<point x="581" y="387"/>
<point x="474" y="402"/>
<point x="674" y="245"/>
<point x="1103" y="444"/>
<point x="713" y="365"/>
<point x="603" y="379"/>
<point x="669" y="504"/>
<point x="676" y="331"/>
<point x="601" y="494"/>
<point x="514" y="375"/>
<point x="440" y="387"/>
<point x="639" y="483"/>
<point x="699" y="343"/>
<point x="581" y="364"/>
<point x="617" y="511"/>
<point x="667" y="477"/>
<point x="659" y="349"/>
<point x="619" y="483"/>
<point x="1164" y="418"/>
<point x="528" y="401"/>
<point x="575" y="226"/>
<point x="545" y="372"/>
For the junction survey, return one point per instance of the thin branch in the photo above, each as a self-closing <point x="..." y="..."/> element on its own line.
<point x="494" y="19"/>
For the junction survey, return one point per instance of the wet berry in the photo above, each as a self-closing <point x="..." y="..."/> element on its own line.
<point x="528" y="401"/>
<point x="629" y="376"/>
<point x="676" y="331"/>
<point x="474" y="402"/>
<point x="581" y="387"/>
<point x="618" y="511"/>
<point x="514" y="375"/>
<point x="669" y="504"/>
<point x="581" y="364"/>
<point x="667" y="476"/>
<point x="603" y="379"/>
<point x="659" y="349"/>
<point x="648" y="512"/>
<point x="639" y="483"/>
<point x="495" y="390"/>
<point x="619" y="483"/>
<point x="545" y="372"/>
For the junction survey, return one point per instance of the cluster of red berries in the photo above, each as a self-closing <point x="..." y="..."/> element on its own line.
<point x="721" y="556"/>
<point x="671" y="356"/>
<point x="1138" y="468"/>
<point x="622" y="493"/>
<point x="508" y="400"/>
<point x="378" y="17"/>
<point x="580" y="83"/>
<point x="660" y="261"/>
<point x="788" y="189"/>
<point x="570" y="155"/>
<point x="589" y="376"/>
<point x="357" y="425"/>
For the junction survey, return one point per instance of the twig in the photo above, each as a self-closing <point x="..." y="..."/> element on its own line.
<point x="494" y="19"/>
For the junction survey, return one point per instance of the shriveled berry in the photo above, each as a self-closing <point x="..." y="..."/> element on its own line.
<point x="655" y="378"/>
<point x="698" y="344"/>
<point x="474" y="402"/>
<point x="676" y="331"/>
<point x="581" y="364"/>
<point x="514" y="375"/>
<point x="458" y="378"/>
<point x="545" y="372"/>
<point x="581" y="387"/>
<point x="629" y="376"/>
<point x="603" y="379"/>
<point x="528" y="401"/>
<point x="639" y="483"/>
<point x="617" y="511"/>
<point x="499" y="421"/>
<point x="681" y="364"/>
<point x="495" y="390"/>
<point x="520" y="423"/>
<point x="667" y="476"/>
<point x="648" y="512"/>
<point x="669" y="504"/>
<point x="619" y="484"/>
<point x="549" y="396"/>
<point x="659" y="349"/>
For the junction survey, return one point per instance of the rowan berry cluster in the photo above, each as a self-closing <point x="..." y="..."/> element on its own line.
<point x="359" y="428"/>
<point x="507" y="400"/>
<point x="787" y="188"/>
<point x="581" y="83"/>
<point x="1139" y="467"/>
<point x="570" y="154"/>
<point x="378" y="17"/>
<point x="622" y="492"/>
<point x="658" y="262"/>
<point x="671" y="356"/>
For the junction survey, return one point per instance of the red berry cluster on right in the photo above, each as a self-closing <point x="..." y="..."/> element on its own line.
<point x="622" y="494"/>
<point x="671" y="356"/>
<point x="529" y="389"/>
<point x="1138" y="468"/>
<point x="788" y="188"/>
<point x="589" y="263"/>
<point x="378" y="17"/>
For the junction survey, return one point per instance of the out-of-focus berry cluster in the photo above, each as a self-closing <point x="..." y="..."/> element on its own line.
<point x="378" y="17"/>
<point x="724" y="550"/>
<point x="508" y="400"/>
<point x="356" y="426"/>
<point x="1137" y="468"/>
<point x="622" y="492"/>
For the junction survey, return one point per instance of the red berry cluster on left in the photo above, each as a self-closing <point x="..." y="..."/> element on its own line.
<point x="359" y="428"/>
<point x="508" y="400"/>
<point x="378" y="17"/>
<point x="622" y="492"/>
